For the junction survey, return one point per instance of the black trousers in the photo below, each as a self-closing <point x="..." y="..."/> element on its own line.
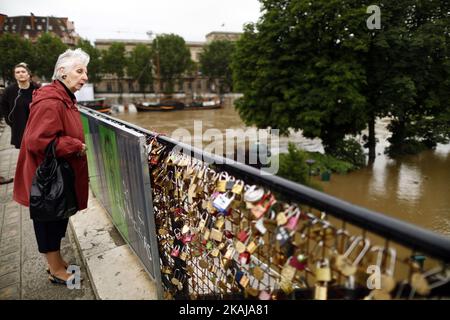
<point x="49" y="234"/>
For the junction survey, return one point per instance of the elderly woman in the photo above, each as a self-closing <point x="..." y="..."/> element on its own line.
<point x="54" y="114"/>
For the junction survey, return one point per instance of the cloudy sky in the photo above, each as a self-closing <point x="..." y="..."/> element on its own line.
<point x="131" y="19"/>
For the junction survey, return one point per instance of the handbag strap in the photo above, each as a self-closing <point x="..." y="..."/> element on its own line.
<point x="50" y="150"/>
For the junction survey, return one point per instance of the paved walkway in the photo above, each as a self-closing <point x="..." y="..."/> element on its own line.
<point x="22" y="267"/>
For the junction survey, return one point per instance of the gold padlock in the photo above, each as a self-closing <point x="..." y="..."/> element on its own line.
<point x="320" y="292"/>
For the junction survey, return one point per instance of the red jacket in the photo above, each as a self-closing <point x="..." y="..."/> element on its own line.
<point x="52" y="113"/>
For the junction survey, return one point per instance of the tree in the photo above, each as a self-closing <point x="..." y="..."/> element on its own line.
<point x="95" y="62"/>
<point x="13" y="50"/>
<point x="114" y="60"/>
<point x="48" y="49"/>
<point x="215" y="62"/>
<point x="297" y="68"/>
<point x="315" y="66"/>
<point x="172" y="58"/>
<point x="139" y="66"/>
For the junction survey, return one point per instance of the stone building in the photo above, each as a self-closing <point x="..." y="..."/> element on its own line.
<point x="191" y="85"/>
<point x="32" y="27"/>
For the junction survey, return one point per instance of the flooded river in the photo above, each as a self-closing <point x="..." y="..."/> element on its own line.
<point x="414" y="188"/>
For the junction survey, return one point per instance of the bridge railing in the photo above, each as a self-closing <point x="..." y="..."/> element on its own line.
<point x="226" y="231"/>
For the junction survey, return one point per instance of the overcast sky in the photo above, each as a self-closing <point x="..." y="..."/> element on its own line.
<point x="131" y="19"/>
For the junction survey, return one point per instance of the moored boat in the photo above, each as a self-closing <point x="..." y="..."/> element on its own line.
<point x="98" y="104"/>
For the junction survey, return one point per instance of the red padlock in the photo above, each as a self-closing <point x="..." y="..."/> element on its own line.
<point x="175" y="251"/>
<point x="243" y="235"/>
<point x="298" y="262"/>
<point x="293" y="220"/>
<point x="186" y="238"/>
<point x="244" y="257"/>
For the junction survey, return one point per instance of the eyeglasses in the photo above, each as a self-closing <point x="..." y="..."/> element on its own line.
<point x="22" y="64"/>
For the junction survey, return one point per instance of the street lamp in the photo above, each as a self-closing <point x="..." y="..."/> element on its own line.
<point x="310" y="162"/>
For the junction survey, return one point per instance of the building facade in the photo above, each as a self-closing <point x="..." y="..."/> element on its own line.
<point x="190" y="85"/>
<point x="32" y="27"/>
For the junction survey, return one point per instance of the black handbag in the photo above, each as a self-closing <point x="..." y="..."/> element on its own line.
<point x="52" y="194"/>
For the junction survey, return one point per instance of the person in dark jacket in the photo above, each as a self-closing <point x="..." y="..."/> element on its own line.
<point x="54" y="114"/>
<point x="16" y="101"/>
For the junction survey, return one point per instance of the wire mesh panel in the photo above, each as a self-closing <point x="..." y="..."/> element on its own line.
<point x="221" y="237"/>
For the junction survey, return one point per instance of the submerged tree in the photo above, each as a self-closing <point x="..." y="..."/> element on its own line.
<point x="315" y="66"/>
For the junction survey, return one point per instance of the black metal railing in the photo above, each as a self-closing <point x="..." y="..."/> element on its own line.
<point x="288" y="242"/>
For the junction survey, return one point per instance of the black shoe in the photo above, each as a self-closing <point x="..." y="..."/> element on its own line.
<point x="55" y="280"/>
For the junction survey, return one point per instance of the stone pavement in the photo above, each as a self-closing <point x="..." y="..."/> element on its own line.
<point x="22" y="267"/>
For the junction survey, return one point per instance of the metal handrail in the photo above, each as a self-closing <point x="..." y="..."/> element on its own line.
<point x="409" y="235"/>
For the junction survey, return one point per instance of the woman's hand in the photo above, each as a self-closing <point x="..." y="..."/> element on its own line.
<point x="83" y="150"/>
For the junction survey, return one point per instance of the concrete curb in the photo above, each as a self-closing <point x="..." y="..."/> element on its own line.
<point x="114" y="270"/>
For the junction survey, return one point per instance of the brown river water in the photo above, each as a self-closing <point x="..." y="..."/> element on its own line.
<point x="415" y="189"/>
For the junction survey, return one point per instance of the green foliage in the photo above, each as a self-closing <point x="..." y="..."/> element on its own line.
<point x="13" y="50"/>
<point x="297" y="68"/>
<point x="171" y="57"/>
<point x="293" y="165"/>
<point x="349" y="150"/>
<point x="215" y="61"/>
<point x="114" y="60"/>
<point x="95" y="62"/>
<point x="139" y="65"/>
<point x="47" y="49"/>
<point x="315" y="66"/>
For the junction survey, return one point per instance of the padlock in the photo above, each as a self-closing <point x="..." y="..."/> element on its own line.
<point x="244" y="281"/>
<point x="221" y="185"/>
<point x="298" y="261"/>
<point x="202" y="222"/>
<point x="343" y="263"/>
<point x="184" y="253"/>
<point x="244" y="257"/>
<point x="240" y="246"/>
<point x="288" y="272"/>
<point x="238" y="187"/>
<point x="258" y="273"/>
<point x="229" y="185"/>
<point x="263" y="205"/>
<point x="223" y="202"/>
<point x="219" y="223"/>
<point x="186" y="238"/>
<point x="264" y="295"/>
<point x="320" y="292"/>
<point x="259" y="225"/>
<point x="178" y="234"/>
<point x="215" y="252"/>
<point x="216" y="235"/>
<point x="252" y="246"/>
<point x="286" y="286"/>
<point x="323" y="271"/>
<point x="186" y="228"/>
<point x="292" y="222"/>
<point x="423" y="283"/>
<point x="387" y="280"/>
<point x="282" y="236"/>
<point x="281" y="218"/>
<point x="229" y="254"/>
<point x="243" y="235"/>
<point x="175" y="251"/>
<point x="253" y="194"/>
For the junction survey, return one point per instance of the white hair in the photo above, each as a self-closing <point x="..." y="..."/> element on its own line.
<point x="67" y="61"/>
